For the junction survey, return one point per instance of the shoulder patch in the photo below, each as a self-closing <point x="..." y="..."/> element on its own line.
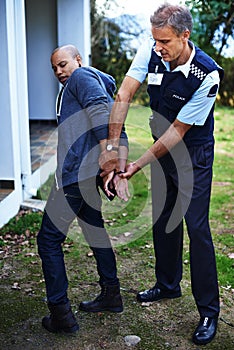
<point x="213" y="91"/>
<point x="197" y="72"/>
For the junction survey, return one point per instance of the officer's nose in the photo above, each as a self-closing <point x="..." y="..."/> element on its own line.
<point x="158" y="47"/>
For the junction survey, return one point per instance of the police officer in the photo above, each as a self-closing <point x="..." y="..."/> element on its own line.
<point x="182" y="84"/>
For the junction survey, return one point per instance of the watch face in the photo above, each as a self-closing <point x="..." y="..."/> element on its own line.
<point x="109" y="147"/>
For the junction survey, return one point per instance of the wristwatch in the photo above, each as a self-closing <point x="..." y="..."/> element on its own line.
<point x="110" y="148"/>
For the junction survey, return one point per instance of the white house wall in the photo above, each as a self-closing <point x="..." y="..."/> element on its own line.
<point x="22" y="97"/>
<point x="6" y="154"/>
<point x="41" y="24"/>
<point x="74" y="26"/>
<point x="51" y="24"/>
<point x="29" y="31"/>
<point x="10" y="156"/>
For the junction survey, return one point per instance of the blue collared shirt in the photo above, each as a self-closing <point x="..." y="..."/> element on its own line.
<point x="198" y="107"/>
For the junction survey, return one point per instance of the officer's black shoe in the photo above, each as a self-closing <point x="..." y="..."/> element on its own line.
<point x="156" y="294"/>
<point x="108" y="300"/>
<point x="205" y="330"/>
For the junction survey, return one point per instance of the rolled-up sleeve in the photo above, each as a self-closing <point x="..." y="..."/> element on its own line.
<point x="196" y="111"/>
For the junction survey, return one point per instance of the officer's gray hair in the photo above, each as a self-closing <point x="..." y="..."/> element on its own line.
<point x="176" y="16"/>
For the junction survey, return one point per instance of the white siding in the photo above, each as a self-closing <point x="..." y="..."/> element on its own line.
<point x="29" y="31"/>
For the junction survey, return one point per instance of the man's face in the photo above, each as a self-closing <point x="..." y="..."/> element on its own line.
<point x="63" y="64"/>
<point x="169" y="44"/>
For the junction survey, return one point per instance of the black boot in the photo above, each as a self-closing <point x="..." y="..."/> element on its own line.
<point x="61" y="319"/>
<point x="109" y="300"/>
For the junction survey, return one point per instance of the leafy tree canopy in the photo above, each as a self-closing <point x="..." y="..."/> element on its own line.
<point x="213" y="29"/>
<point x="111" y="40"/>
<point x="213" y="24"/>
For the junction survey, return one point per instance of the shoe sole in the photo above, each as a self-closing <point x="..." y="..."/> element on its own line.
<point x="150" y="301"/>
<point x="67" y="331"/>
<point x="102" y="310"/>
<point x="197" y="342"/>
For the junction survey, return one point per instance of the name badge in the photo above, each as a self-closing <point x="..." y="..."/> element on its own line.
<point x="155" y="78"/>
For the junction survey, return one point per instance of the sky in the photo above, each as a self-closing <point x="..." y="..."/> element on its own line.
<point x="134" y="7"/>
<point x="144" y="9"/>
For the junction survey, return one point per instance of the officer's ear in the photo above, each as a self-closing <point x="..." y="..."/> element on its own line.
<point x="186" y="35"/>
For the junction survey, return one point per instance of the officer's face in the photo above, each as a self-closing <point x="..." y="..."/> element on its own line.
<point x="63" y="64"/>
<point x="169" y="44"/>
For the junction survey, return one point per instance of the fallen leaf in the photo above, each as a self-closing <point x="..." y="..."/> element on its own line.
<point x="28" y="290"/>
<point x="16" y="286"/>
<point x="30" y="254"/>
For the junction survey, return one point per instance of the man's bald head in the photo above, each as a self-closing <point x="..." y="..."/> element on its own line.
<point x="71" y="49"/>
<point x="64" y="60"/>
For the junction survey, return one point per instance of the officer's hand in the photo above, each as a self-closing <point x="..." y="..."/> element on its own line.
<point x="108" y="161"/>
<point x="131" y="169"/>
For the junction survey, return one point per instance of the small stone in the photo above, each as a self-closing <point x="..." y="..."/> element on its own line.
<point x="126" y="234"/>
<point x="132" y="340"/>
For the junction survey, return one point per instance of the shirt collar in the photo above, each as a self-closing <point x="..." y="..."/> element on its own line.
<point x="184" y="68"/>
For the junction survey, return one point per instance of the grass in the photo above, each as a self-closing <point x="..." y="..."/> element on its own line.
<point x="161" y="325"/>
<point x="122" y="216"/>
<point x="22" y="223"/>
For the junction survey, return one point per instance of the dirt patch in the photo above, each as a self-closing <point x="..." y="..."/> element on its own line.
<point x="164" y="325"/>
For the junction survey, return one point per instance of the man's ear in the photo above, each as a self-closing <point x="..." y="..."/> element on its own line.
<point x="79" y="60"/>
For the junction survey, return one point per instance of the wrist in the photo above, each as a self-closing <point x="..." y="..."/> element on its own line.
<point x="119" y="172"/>
<point x="111" y="148"/>
<point x="112" y="145"/>
<point x="135" y="166"/>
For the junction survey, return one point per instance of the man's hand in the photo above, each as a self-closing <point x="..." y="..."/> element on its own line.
<point x="108" y="184"/>
<point x="108" y="161"/>
<point x="115" y="182"/>
<point x="121" y="187"/>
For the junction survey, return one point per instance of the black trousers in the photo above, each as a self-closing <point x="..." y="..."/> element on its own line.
<point x="181" y="188"/>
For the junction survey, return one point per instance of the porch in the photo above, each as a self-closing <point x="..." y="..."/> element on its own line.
<point x="43" y="143"/>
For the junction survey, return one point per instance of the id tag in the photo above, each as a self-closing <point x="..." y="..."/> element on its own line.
<point x="155" y="78"/>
